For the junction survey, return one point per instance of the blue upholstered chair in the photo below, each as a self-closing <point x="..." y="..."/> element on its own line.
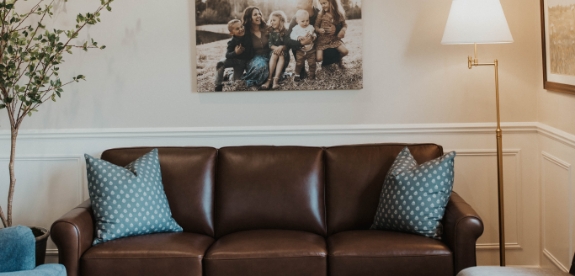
<point x="515" y="271"/>
<point x="18" y="255"/>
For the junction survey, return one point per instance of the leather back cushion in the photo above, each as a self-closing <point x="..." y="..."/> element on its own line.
<point x="188" y="178"/>
<point x="266" y="187"/>
<point x="354" y="178"/>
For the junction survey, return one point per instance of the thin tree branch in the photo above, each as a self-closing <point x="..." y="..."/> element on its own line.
<point x="32" y="11"/>
<point x="52" y="88"/>
<point x="88" y="47"/>
<point x="3" y="218"/>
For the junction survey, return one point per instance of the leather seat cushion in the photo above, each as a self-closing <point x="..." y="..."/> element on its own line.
<point x="267" y="252"/>
<point x="155" y="254"/>
<point x="374" y="252"/>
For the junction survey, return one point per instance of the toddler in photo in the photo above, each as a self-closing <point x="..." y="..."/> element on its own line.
<point x="236" y="55"/>
<point x="277" y="36"/>
<point x="307" y="52"/>
<point x="331" y="13"/>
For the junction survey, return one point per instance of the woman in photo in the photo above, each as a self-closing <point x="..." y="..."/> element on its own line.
<point x="257" y="70"/>
<point x="331" y="14"/>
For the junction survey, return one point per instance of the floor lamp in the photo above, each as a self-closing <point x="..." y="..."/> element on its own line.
<point x="482" y="22"/>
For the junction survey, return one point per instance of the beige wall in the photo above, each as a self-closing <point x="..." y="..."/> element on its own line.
<point x="144" y="79"/>
<point x="556" y="109"/>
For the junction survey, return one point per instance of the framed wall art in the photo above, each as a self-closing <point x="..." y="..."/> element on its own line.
<point x="558" y="41"/>
<point x="278" y="45"/>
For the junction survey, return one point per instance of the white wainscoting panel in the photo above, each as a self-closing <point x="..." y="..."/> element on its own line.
<point x="47" y="186"/>
<point x="557" y="232"/>
<point x="476" y="181"/>
<point x="556" y="156"/>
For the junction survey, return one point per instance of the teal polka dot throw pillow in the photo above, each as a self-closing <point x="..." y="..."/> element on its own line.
<point x="128" y="201"/>
<point x="413" y="197"/>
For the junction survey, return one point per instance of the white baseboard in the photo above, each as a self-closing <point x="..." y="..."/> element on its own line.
<point x="554" y="260"/>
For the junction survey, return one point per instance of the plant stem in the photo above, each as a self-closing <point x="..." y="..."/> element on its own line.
<point x="3" y="218"/>
<point x="13" y="136"/>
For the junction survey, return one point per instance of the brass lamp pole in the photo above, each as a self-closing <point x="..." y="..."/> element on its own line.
<point x="474" y="62"/>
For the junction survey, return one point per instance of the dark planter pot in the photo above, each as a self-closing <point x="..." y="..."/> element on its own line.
<point x="41" y="235"/>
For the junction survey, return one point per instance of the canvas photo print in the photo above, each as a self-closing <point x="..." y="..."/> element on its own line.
<point x="558" y="34"/>
<point x="278" y="45"/>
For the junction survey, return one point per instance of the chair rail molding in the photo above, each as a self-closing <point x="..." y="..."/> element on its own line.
<point x="454" y="128"/>
<point x="556" y="134"/>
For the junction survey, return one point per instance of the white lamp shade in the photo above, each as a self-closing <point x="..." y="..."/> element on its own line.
<point x="476" y="21"/>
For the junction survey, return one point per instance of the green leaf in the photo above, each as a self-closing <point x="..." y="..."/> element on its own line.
<point x="33" y="52"/>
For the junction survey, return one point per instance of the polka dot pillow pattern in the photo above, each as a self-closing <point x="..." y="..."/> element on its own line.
<point x="413" y="197"/>
<point x="128" y="201"/>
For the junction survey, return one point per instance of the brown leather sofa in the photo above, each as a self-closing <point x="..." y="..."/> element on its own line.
<point x="265" y="210"/>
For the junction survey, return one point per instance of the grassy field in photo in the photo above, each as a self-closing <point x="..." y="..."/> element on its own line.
<point x="329" y="78"/>
<point x="562" y="39"/>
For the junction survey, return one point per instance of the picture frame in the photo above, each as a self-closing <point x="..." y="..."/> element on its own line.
<point x="557" y="20"/>
<point x="271" y="55"/>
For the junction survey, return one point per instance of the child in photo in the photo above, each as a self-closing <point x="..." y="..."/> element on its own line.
<point x="237" y="56"/>
<point x="331" y="14"/>
<point x="307" y="52"/>
<point x="277" y="36"/>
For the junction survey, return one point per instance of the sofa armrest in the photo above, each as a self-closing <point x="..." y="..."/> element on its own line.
<point x="73" y="234"/>
<point x="462" y="226"/>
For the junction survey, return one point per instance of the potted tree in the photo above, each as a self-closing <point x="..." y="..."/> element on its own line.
<point x="31" y="55"/>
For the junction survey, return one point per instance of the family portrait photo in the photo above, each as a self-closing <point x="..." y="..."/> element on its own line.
<point x="278" y="45"/>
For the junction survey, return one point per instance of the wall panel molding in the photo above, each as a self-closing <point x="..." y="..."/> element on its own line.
<point x="78" y="160"/>
<point x="516" y="153"/>
<point x="558" y="142"/>
<point x="555" y="160"/>
<point x="550" y="206"/>
<point x="495" y="246"/>
<point x="46" y="187"/>
<point x="55" y="158"/>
